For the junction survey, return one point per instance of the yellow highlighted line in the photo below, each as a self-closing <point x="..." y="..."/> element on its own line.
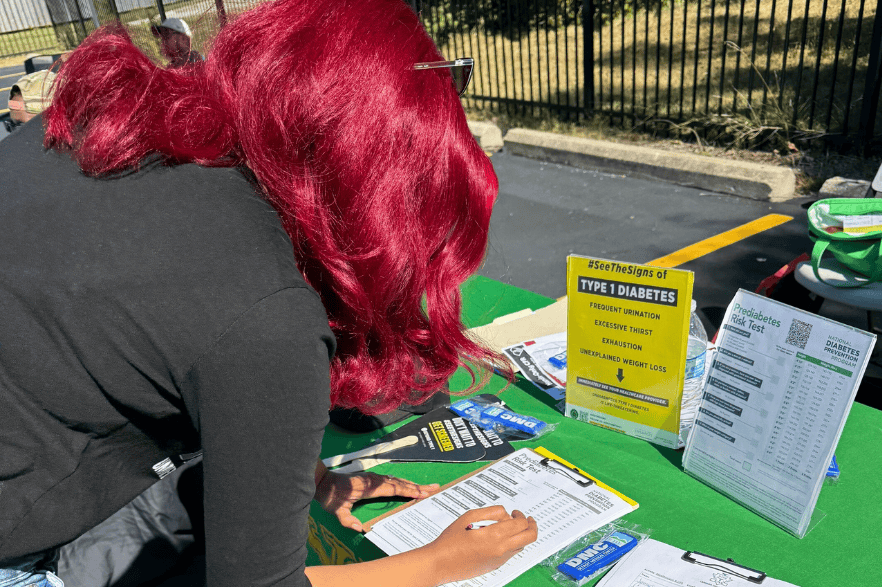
<point x="709" y="245"/>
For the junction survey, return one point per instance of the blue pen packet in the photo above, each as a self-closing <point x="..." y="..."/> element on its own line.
<point x="559" y="360"/>
<point x="499" y="419"/>
<point x="594" y="553"/>
<point x="596" y="557"/>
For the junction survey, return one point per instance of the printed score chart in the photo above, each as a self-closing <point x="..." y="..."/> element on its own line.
<point x="811" y="396"/>
<point x="777" y="396"/>
<point x="565" y="503"/>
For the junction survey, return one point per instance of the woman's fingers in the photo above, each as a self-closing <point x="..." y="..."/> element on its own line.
<point x="511" y="526"/>
<point x="527" y="535"/>
<point x="515" y="533"/>
<point x="349" y="489"/>
<point x="374" y="485"/>
<point x="389" y="486"/>
<point x="467" y="553"/>
<point x="347" y="520"/>
<point x="531" y="531"/>
<point x="405" y="488"/>
<point x="495" y="513"/>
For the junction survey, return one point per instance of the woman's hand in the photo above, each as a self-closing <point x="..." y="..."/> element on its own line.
<point x="464" y="554"/>
<point x="456" y="554"/>
<point x="337" y="492"/>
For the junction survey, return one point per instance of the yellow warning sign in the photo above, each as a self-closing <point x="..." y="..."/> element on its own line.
<point x="627" y="328"/>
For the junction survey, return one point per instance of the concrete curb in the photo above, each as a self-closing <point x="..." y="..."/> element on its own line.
<point x="487" y="134"/>
<point x="739" y="178"/>
<point x="843" y="187"/>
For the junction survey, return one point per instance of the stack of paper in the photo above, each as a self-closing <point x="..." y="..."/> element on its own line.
<point x="565" y="502"/>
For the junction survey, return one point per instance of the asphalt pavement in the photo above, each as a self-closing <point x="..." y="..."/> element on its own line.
<point x="547" y="211"/>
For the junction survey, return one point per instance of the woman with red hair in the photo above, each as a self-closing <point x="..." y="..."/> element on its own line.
<point x="212" y="259"/>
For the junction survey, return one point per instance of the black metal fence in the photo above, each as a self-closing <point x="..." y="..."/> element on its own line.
<point x="52" y="26"/>
<point x="740" y="70"/>
<point x="743" y="70"/>
<point x="25" y="27"/>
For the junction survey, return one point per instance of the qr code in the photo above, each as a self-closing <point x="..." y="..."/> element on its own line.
<point x="799" y="334"/>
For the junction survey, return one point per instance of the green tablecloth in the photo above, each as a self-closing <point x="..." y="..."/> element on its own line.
<point x="842" y="549"/>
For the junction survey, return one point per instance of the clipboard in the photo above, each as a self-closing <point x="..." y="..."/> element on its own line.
<point x="655" y="563"/>
<point x="566" y="502"/>
<point x="727" y="566"/>
<point x="550" y="460"/>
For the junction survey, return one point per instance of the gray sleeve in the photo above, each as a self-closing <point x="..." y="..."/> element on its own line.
<point x="260" y="398"/>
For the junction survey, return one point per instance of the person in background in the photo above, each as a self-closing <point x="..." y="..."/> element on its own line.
<point x="175" y="40"/>
<point x="29" y="96"/>
<point x="212" y="261"/>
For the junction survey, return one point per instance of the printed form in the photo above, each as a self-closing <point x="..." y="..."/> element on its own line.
<point x="656" y="564"/>
<point x="776" y="399"/>
<point x="565" y="504"/>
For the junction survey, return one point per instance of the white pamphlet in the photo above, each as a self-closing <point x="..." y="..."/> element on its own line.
<point x="775" y="402"/>
<point x="656" y="564"/>
<point x="565" y="502"/>
<point x="543" y="362"/>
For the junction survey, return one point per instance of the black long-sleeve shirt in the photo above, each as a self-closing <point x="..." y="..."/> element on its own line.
<point x="144" y="316"/>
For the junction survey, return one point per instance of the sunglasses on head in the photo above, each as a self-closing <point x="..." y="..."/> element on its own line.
<point x="460" y="70"/>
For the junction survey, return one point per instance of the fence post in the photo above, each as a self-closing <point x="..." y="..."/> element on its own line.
<point x="222" y="13"/>
<point x="588" y="51"/>
<point x="91" y="5"/>
<point x="107" y="8"/>
<point x="82" y="19"/>
<point x="874" y="80"/>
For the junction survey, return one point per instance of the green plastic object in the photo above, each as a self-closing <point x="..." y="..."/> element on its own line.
<point x="858" y="252"/>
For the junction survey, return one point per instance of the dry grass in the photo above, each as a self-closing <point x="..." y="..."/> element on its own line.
<point x="16" y="60"/>
<point x="688" y="64"/>
<point x="813" y="166"/>
<point x="38" y="41"/>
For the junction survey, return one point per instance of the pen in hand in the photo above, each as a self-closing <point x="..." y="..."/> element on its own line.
<point x="482" y="524"/>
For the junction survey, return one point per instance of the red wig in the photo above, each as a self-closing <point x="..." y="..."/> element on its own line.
<point x="370" y="164"/>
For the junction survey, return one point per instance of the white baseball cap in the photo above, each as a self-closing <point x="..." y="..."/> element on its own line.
<point x="176" y="24"/>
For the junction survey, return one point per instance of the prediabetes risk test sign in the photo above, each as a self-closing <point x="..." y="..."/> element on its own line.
<point x="627" y="328"/>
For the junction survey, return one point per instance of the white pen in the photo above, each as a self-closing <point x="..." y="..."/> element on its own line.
<point x="482" y="524"/>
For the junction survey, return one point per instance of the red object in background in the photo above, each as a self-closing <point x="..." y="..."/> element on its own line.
<point x="768" y="287"/>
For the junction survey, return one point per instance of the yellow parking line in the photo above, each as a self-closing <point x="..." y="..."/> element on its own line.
<point x="4" y="111"/>
<point x="724" y="239"/>
<point x="19" y="74"/>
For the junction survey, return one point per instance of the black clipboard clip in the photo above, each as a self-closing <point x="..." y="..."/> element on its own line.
<point x="697" y="558"/>
<point x="571" y="473"/>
